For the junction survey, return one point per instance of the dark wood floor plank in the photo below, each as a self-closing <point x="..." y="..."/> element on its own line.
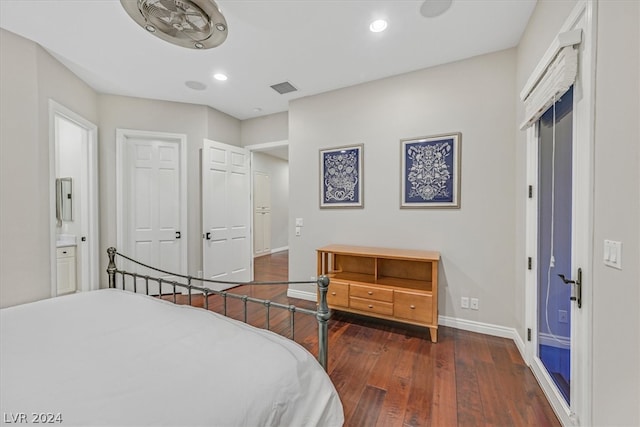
<point x="445" y="404"/>
<point x="418" y="411"/>
<point x="389" y="375"/>
<point x="368" y="408"/>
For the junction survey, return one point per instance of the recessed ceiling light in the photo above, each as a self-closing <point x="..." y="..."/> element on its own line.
<point x="220" y="76"/>
<point x="378" y="26"/>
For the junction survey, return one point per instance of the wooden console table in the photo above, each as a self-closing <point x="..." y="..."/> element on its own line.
<point x="393" y="284"/>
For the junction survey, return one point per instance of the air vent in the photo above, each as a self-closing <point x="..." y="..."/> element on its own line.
<point x="284" y="87"/>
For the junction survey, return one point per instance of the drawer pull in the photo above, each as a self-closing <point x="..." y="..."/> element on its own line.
<point x="412" y="307"/>
<point x="370" y="306"/>
<point x="333" y="293"/>
<point x="370" y="292"/>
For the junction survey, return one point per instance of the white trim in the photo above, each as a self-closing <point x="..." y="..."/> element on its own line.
<point x="57" y="109"/>
<point x="121" y="136"/>
<point x="281" y="249"/>
<point x="305" y="295"/>
<point x="267" y="145"/>
<point x="484" y="328"/>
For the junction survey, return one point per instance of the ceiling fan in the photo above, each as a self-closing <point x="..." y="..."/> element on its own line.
<point x="433" y="8"/>
<point x="195" y="24"/>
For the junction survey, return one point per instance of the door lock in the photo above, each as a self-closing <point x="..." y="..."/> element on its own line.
<point x="576" y="287"/>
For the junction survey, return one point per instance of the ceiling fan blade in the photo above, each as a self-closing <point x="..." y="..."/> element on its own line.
<point x="169" y="4"/>
<point x="157" y="12"/>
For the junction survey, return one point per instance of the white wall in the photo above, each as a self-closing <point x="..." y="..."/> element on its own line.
<point x="29" y="77"/>
<point x="616" y="293"/>
<point x="196" y="121"/>
<point x="278" y="171"/>
<point x="270" y="128"/>
<point x="477" y="241"/>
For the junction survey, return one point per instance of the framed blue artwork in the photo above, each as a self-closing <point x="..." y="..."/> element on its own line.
<point x="341" y="179"/>
<point x="430" y="171"/>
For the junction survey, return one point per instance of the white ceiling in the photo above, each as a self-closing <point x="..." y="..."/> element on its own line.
<point x="317" y="45"/>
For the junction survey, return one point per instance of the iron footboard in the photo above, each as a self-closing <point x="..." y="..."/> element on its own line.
<point x="322" y="314"/>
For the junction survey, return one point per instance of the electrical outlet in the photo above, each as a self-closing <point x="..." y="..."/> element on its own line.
<point x="474" y="304"/>
<point x="464" y="302"/>
<point x="562" y="316"/>
<point x="298" y="231"/>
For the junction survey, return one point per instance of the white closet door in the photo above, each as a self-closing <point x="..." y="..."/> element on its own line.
<point x="225" y="213"/>
<point x="261" y="213"/>
<point x="154" y="207"/>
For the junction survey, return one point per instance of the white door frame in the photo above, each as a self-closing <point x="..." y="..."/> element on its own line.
<point x="265" y="146"/>
<point x="580" y="413"/>
<point x="93" y="264"/>
<point x="122" y="135"/>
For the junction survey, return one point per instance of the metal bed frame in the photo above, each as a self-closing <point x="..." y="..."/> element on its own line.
<point x="322" y="314"/>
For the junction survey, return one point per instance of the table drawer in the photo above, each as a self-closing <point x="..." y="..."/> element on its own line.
<point x="413" y="306"/>
<point x="372" y="306"/>
<point x="338" y="294"/>
<point x="371" y="293"/>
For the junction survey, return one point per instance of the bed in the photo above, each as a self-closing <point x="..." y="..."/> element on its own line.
<point x="115" y="357"/>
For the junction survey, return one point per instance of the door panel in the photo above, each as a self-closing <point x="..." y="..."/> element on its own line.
<point x="226" y="213"/>
<point x="153" y="168"/>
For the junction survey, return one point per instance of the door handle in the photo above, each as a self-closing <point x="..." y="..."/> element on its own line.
<point x="207" y="236"/>
<point x="576" y="287"/>
<point x="177" y="234"/>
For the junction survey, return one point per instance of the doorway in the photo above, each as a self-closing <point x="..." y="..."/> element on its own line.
<point x="559" y="217"/>
<point x="555" y="220"/>
<point x="152" y="207"/>
<point x="270" y="195"/>
<point x="74" y="235"/>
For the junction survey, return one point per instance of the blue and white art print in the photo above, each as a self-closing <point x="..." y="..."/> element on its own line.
<point x="431" y="172"/>
<point x="341" y="177"/>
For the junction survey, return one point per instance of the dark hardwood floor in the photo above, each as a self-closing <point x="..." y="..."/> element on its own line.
<point x="389" y="374"/>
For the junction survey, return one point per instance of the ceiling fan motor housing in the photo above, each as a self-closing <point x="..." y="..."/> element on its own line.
<point x="195" y="24"/>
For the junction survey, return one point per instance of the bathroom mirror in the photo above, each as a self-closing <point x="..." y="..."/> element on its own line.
<point x="64" y="199"/>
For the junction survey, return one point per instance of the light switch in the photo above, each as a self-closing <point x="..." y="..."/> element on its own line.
<point x="299" y="222"/>
<point x="298" y="231"/>
<point x="613" y="254"/>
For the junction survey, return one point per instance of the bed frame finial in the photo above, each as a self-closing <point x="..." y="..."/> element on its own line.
<point x="111" y="268"/>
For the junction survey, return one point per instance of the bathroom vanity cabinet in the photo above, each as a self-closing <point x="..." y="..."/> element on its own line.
<point x="66" y="257"/>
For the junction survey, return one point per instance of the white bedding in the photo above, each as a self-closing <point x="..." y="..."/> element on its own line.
<point x="112" y="357"/>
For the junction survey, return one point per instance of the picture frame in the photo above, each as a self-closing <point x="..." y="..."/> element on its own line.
<point x="341" y="177"/>
<point x="430" y="171"/>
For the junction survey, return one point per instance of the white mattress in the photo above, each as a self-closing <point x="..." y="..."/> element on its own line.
<point x="112" y="357"/>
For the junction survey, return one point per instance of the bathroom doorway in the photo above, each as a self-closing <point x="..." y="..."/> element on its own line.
<point x="73" y="201"/>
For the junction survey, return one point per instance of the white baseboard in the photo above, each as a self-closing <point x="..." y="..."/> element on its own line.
<point x="282" y="249"/>
<point x="305" y="295"/>
<point x="485" y="328"/>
